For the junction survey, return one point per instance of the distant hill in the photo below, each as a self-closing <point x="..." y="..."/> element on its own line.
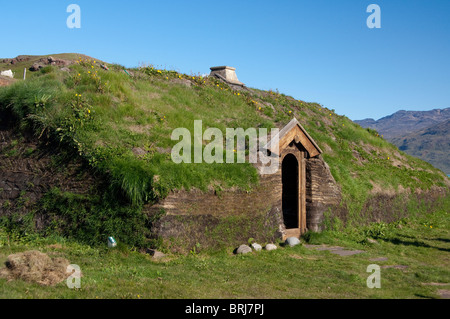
<point x="423" y="134"/>
<point x="405" y="122"/>
<point x="21" y="62"/>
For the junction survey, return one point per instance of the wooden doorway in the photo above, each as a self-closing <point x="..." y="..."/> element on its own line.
<point x="290" y="201"/>
<point x="293" y="194"/>
<point x="293" y="142"/>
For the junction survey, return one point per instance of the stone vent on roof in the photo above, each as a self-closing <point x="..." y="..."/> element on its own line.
<point x="226" y="74"/>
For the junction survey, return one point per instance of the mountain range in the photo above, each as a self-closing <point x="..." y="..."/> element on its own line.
<point x="423" y="134"/>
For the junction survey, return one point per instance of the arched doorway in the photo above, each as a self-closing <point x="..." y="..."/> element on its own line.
<point x="290" y="195"/>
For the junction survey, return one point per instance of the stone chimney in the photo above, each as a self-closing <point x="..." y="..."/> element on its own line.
<point x="226" y="74"/>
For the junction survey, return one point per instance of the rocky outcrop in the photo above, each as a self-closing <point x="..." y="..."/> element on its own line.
<point x="18" y="59"/>
<point x="49" y="61"/>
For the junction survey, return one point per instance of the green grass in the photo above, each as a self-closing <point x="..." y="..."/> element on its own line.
<point x="285" y="273"/>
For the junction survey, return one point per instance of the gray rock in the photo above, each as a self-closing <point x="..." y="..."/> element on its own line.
<point x="379" y="259"/>
<point x="52" y="61"/>
<point x="371" y="241"/>
<point x="138" y="151"/>
<point x="345" y="253"/>
<point x="158" y="255"/>
<point x="36" y="67"/>
<point x="162" y="150"/>
<point x="155" y="254"/>
<point x="292" y="241"/>
<point x="256" y="247"/>
<point x="270" y="247"/>
<point x="65" y="69"/>
<point x="243" y="249"/>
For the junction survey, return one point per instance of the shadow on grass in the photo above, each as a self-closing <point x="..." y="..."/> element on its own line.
<point x="424" y="297"/>
<point x="445" y="240"/>
<point x="416" y="243"/>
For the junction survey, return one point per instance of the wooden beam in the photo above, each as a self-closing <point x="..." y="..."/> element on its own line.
<point x="302" y="191"/>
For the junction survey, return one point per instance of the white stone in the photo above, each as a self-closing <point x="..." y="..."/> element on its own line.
<point x="292" y="241"/>
<point x="270" y="247"/>
<point x="243" y="249"/>
<point x="7" y="73"/>
<point x="256" y="247"/>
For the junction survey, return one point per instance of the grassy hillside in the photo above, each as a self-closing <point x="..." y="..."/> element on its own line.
<point x="119" y="123"/>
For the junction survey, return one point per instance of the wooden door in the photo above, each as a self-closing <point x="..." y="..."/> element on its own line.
<point x="294" y="194"/>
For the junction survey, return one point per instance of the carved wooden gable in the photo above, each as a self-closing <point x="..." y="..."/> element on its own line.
<point x="294" y="131"/>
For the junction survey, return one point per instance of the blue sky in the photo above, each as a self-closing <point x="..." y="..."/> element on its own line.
<point x="319" y="51"/>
